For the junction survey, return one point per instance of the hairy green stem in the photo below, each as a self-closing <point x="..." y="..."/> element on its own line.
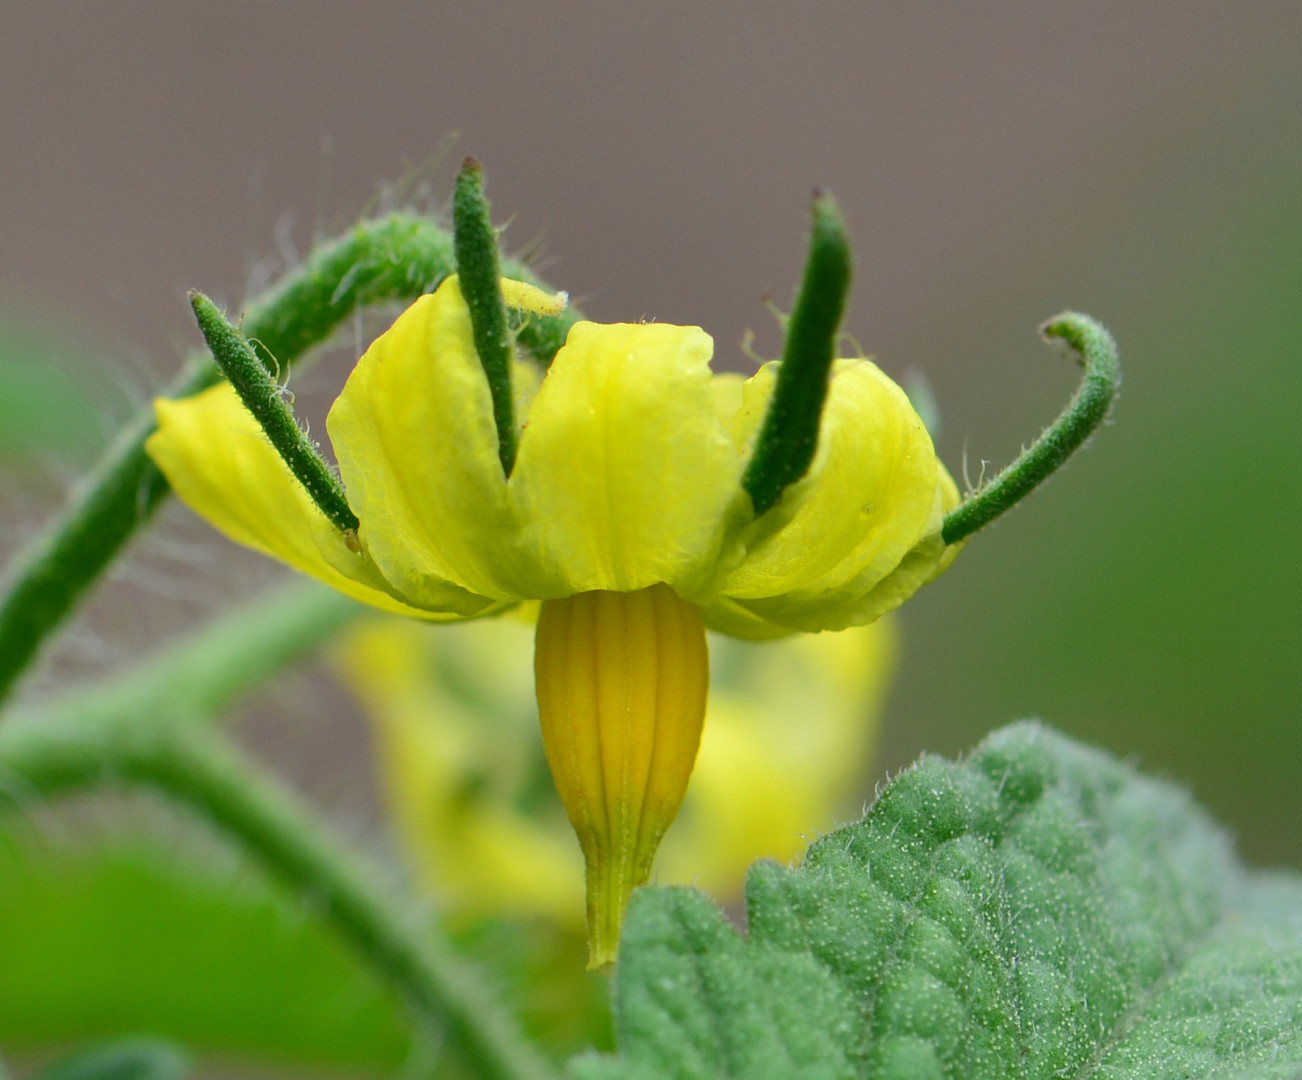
<point x="196" y="768"/>
<point x="789" y="436"/>
<point x="1084" y="412"/>
<point x="394" y="258"/>
<point x="204" y="674"/>
<point x="481" y="285"/>
<point x="146" y="728"/>
<point x="263" y="397"/>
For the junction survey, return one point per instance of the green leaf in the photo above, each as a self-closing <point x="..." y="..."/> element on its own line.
<point x="122" y="1059"/>
<point x="116" y="936"/>
<point x="1037" y="910"/>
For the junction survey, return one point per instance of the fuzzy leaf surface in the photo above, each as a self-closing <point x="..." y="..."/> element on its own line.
<point x="1036" y="910"/>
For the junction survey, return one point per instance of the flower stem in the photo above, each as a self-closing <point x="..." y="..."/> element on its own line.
<point x="263" y="397"/>
<point x="196" y="768"/>
<point x="481" y="285"/>
<point x="212" y="669"/>
<point x="393" y="258"/>
<point x="1087" y="409"/>
<point x="789" y="436"/>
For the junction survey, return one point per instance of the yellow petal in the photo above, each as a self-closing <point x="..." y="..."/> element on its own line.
<point x="624" y="469"/>
<point x="869" y="498"/>
<point x="622" y="679"/>
<point x="728" y="389"/>
<point x="454" y="756"/>
<point x="763" y="786"/>
<point x="221" y="465"/>
<point x="849" y="605"/>
<point x="417" y="447"/>
<point x="732" y="617"/>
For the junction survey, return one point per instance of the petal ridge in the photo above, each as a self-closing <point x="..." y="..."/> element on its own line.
<point x="624" y="470"/>
<point x="414" y="433"/>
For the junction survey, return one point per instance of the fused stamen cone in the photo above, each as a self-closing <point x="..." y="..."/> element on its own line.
<point x="622" y="680"/>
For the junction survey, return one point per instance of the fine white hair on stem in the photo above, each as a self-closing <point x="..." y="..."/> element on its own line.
<point x="283" y="234"/>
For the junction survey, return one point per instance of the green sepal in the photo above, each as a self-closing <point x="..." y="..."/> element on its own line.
<point x="397" y="257"/>
<point x="264" y="398"/>
<point x="788" y="437"/>
<point x="481" y="284"/>
<point x="1085" y="411"/>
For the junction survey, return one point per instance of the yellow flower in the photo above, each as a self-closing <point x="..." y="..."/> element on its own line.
<point x="624" y="514"/>
<point x="459" y="760"/>
<point x="787" y="747"/>
<point x="784" y="754"/>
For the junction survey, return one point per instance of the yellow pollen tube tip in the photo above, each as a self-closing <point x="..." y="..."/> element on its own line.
<point x="525" y="297"/>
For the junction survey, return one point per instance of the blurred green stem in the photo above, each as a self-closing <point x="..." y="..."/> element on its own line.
<point x="133" y="1057"/>
<point x="44" y="757"/>
<point x="146" y="728"/>
<point x="207" y="672"/>
<point x="389" y="259"/>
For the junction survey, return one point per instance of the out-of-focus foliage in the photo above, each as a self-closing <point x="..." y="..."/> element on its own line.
<point x="107" y="937"/>
<point x="138" y="1058"/>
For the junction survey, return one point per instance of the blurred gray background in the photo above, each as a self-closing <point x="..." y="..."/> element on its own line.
<point x="997" y="162"/>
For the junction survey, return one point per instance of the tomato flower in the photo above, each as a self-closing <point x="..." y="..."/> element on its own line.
<point x="624" y="513"/>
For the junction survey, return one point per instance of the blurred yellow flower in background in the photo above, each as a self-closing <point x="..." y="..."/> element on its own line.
<point x="784" y="755"/>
